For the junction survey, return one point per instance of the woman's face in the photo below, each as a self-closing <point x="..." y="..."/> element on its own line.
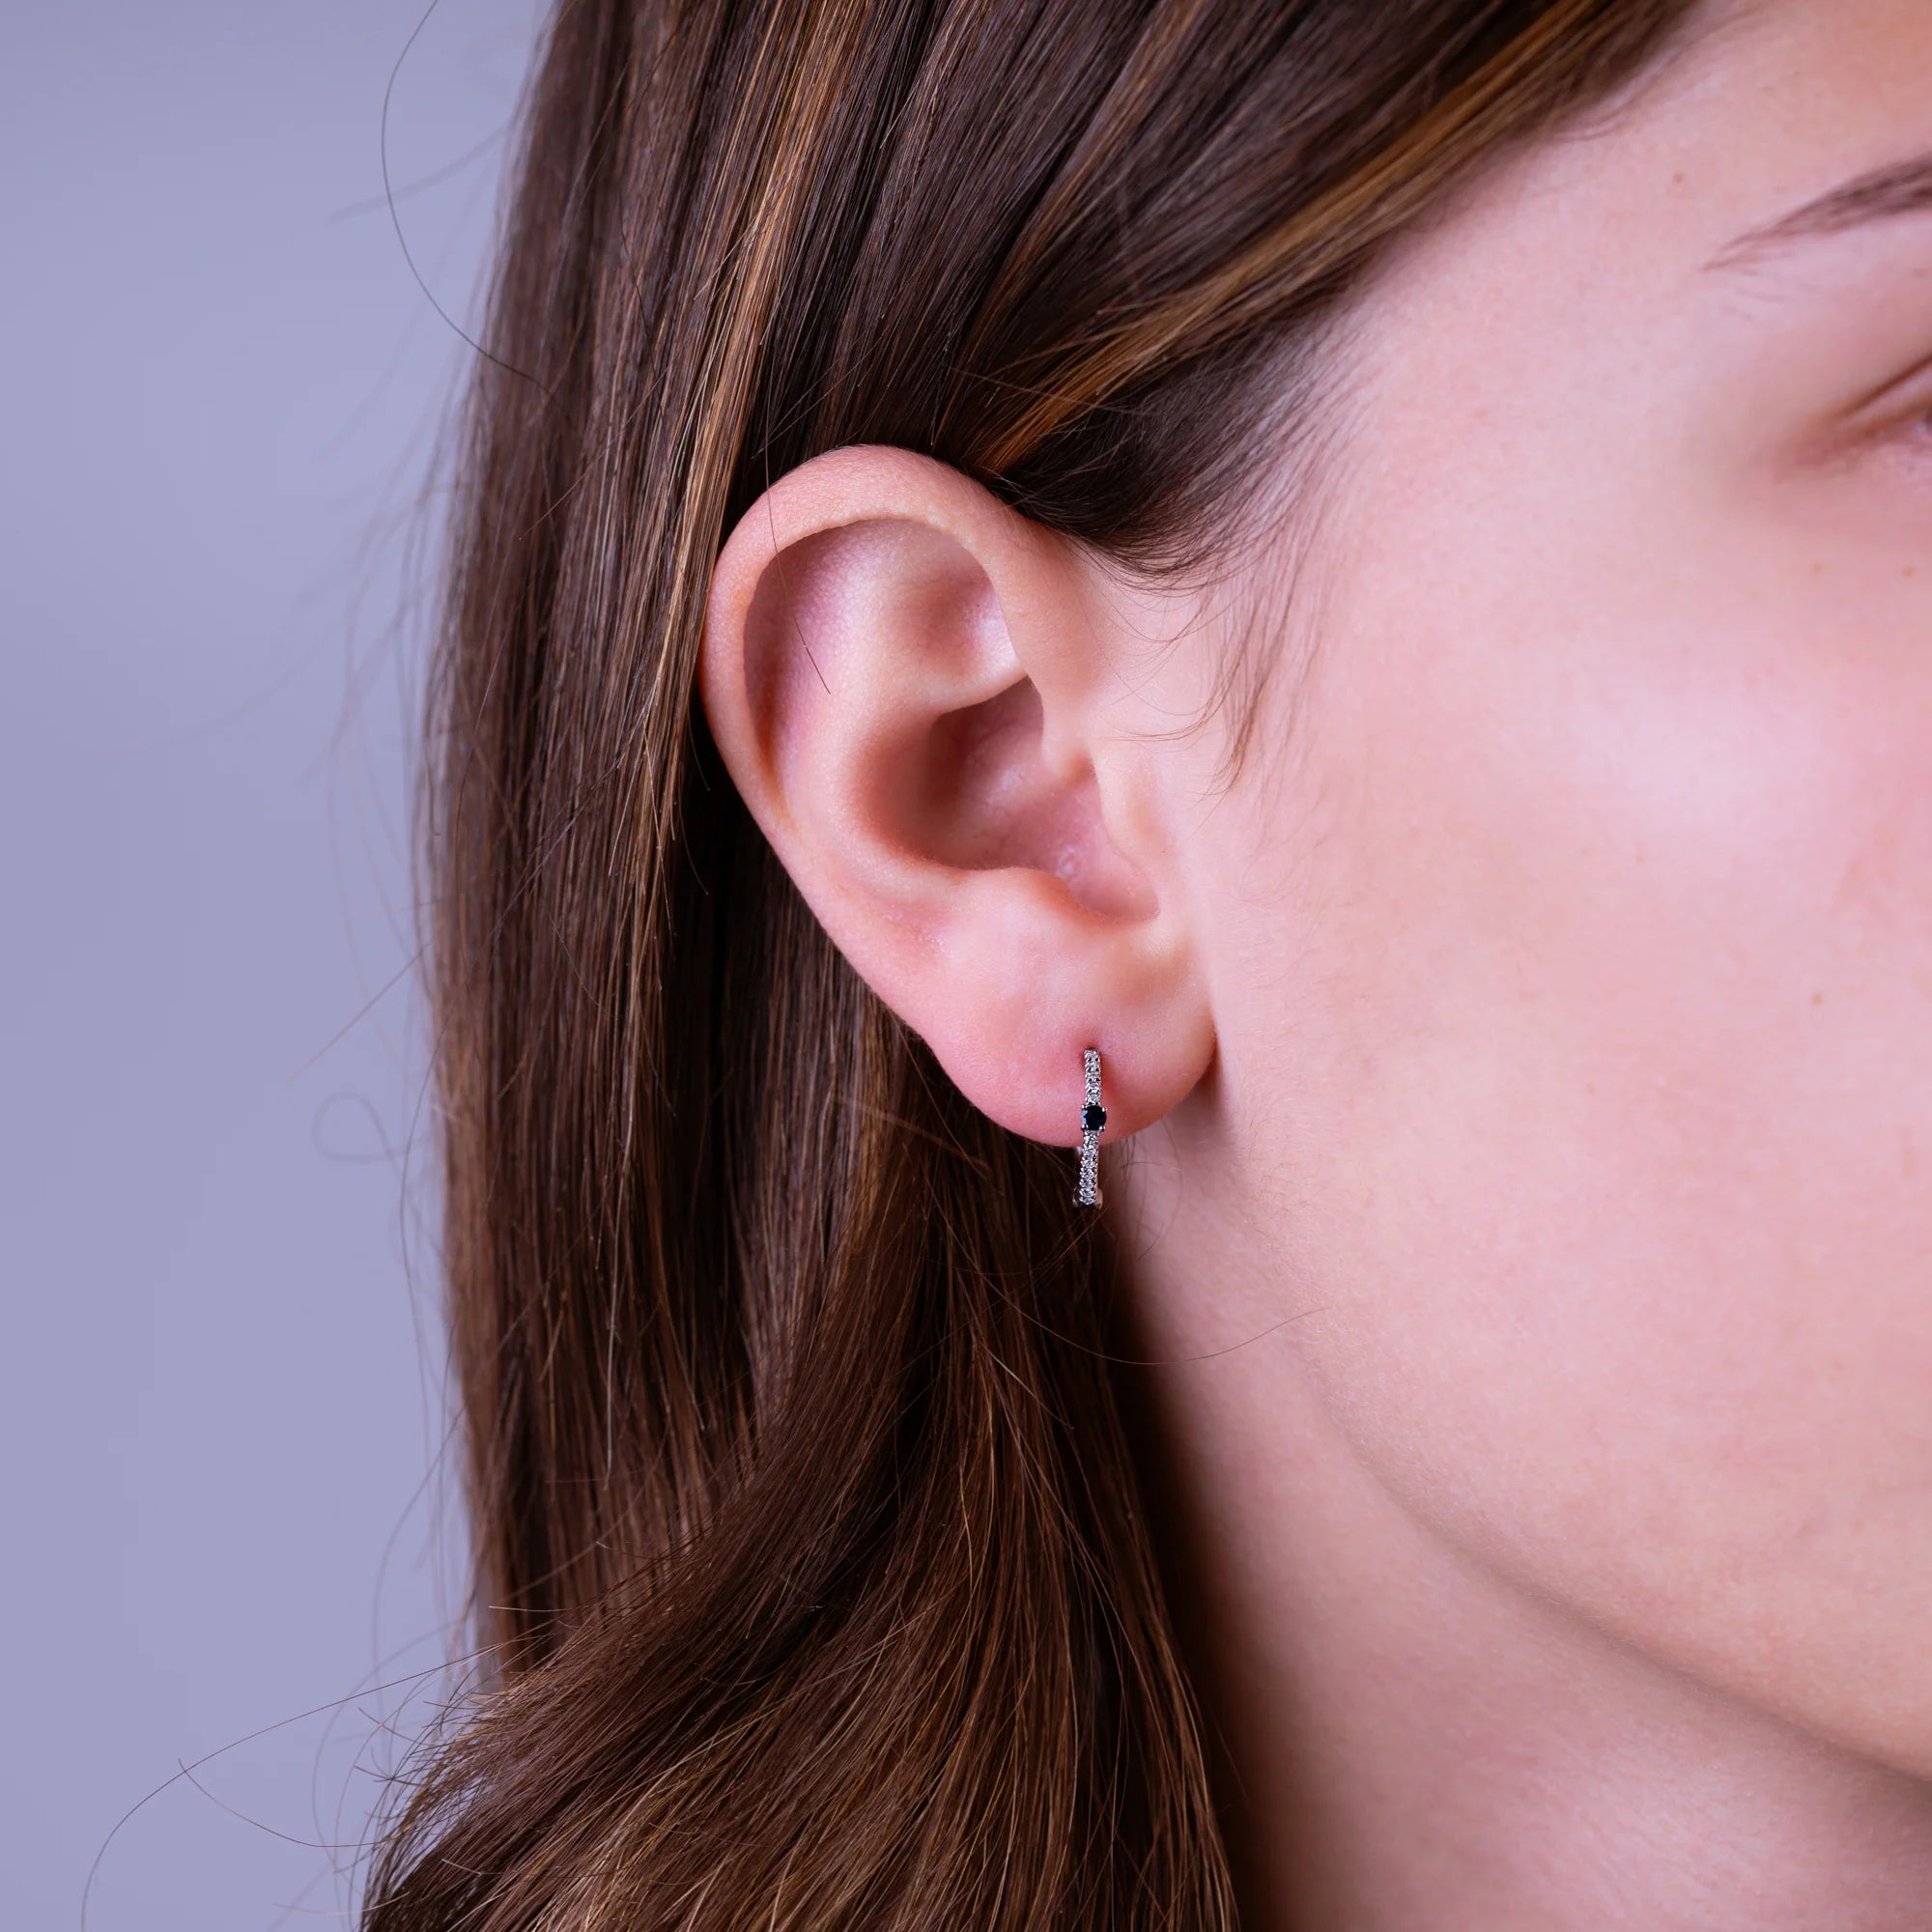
<point x="1572" y="968"/>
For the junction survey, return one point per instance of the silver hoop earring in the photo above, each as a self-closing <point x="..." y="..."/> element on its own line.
<point x="1093" y="1118"/>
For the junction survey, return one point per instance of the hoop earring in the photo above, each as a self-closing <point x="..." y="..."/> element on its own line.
<point x="1093" y="1118"/>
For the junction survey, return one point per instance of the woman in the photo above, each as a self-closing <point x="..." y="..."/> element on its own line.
<point x="1361" y="560"/>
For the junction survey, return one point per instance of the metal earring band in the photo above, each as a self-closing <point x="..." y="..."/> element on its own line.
<point x="1093" y="1118"/>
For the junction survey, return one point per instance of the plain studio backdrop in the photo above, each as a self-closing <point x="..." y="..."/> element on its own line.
<point x="219" y="1378"/>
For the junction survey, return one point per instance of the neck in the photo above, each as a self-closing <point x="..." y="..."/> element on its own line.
<point x="1406" y="1741"/>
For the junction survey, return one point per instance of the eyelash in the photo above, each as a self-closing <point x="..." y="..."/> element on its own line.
<point x="1909" y="418"/>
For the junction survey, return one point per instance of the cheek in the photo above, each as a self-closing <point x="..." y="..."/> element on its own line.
<point x="1617" y="1175"/>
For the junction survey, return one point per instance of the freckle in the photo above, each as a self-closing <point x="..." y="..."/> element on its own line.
<point x="1817" y="999"/>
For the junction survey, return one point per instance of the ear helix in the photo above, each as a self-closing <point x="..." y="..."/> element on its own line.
<point x="1092" y="1119"/>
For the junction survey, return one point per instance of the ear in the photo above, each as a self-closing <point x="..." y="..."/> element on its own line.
<point x="923" y="700"/>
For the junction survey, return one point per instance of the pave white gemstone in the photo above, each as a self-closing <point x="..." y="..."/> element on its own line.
<point x="1087" y="1193"/>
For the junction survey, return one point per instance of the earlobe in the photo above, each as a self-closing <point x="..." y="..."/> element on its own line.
<point x="918" y="697"/>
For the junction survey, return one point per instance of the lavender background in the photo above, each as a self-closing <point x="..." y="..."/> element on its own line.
<point x="220" y="1376"/>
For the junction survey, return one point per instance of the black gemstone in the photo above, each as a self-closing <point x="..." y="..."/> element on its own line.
<point x="1093" y="1118"/>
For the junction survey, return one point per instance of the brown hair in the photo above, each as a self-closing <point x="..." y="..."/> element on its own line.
<point x="811" y="1555"/>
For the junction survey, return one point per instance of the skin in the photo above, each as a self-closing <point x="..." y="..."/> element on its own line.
<point x="1519" y="1078"/>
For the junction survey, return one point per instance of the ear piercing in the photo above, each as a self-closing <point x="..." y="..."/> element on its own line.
<point x="1093" y="1118"/>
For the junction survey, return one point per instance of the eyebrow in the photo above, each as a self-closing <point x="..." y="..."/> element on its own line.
<point x="1905" y="187"/>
